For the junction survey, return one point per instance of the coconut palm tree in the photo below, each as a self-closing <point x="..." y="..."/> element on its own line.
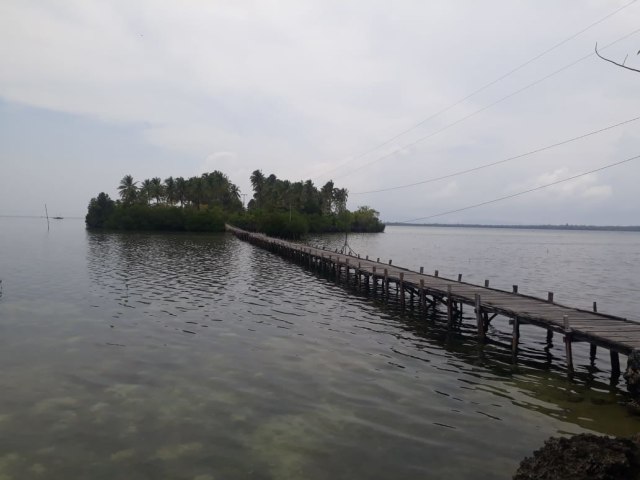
<point x="144" y="194"/>
<point x="157" y="190"/>
<point x="128" y="190"/>
<point x="257" y="182"/>
<point x="181" y="190"/>
<point x="170" y="190"/>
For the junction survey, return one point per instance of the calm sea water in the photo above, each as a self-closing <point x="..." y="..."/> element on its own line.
<point x="141" y="356"/>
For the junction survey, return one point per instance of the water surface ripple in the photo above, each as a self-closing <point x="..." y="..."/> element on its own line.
<point x="146" y="356"/>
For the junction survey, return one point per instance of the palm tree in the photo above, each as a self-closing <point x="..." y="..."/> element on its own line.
<point x="144" y="194"/>
<point x="157" y="191"/>
<point x="257" y="182"/>
<point x="181" y="190"/>
<point x="171" y="190"/>
<point x="128" y="190"/>
<point x="195" y="191"/>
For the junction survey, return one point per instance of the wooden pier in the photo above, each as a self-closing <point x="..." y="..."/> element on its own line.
<point x="417" y="289"/>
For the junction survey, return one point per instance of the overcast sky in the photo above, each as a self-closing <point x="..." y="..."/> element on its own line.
<point x="91" y="91"/>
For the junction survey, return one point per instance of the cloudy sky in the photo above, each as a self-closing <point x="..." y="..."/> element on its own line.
<point x="91" y="91"/>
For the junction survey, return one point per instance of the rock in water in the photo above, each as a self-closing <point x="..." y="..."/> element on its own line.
<point x="632" y="374"/>
<point x="583" y="457"/>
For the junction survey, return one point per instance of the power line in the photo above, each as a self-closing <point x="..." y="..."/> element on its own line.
<point x="495" y="200"/>
<point x="487" y="165"/>
<point x="482" y="88"/>
<point x="486" y="107"/>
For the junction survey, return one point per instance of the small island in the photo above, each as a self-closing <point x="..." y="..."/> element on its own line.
<point x="278" y="208"/>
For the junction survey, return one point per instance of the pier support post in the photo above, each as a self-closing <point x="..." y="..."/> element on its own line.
<point x="374" y="280"/>
<point x="515" y="338"/>
<point x="385" y="285"/>
<point x="402" y="290"/>
<point x="593" y="348"/>
<point x="347" y="273"/>
<point x="479" y="321"/>
<point x="449" y="307"/>
<point x="615" y="364"/>
<point x="423" y="297"/>
<point x="549" y="336"/>
<point x="567" y="342"/>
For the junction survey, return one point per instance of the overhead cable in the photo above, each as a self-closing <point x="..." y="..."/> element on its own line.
<point x="495" y="200"/>
<point x="486" y="107"/>
<point x="487" y="165"/>
<point x="482" y="88"/>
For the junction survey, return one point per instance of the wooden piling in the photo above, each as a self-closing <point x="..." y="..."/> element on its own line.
<point x="449" y="307"/>
<point x="615" y="364"/>
<point x="479" y="320"/>
<point x="567" y="342"/>
<point x="401" y="290"/>
<point x="385" y="285"/>
<point x="515" y="338"/>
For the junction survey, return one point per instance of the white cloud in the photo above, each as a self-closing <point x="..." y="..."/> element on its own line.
<point x="300" y="88"/>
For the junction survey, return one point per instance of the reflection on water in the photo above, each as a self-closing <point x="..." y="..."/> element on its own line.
<point x="202" y="357"/>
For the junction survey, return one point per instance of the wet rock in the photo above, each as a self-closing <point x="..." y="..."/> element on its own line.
<point x="632" y="374"/>
<point x="583" y="457"/>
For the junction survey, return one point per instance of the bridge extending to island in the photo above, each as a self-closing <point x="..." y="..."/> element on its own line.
<point x="411" y="289"/>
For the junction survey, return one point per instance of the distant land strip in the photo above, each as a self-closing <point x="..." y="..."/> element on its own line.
<point x="605" y="228"/>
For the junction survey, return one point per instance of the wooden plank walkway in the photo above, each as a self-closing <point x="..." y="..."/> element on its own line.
<point x="616" y="334"/>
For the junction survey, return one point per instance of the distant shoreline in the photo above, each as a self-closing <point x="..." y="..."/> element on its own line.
<point x="605" y="228"/>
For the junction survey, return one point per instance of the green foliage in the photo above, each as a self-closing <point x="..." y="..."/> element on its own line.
<point x="161" y="218"/>
<point x="210" y="220"/>
<point x="284" y="225"/>
<point x="100" y="208"/>
<point x="279" y="207"/>
<point x="365" y="219"/>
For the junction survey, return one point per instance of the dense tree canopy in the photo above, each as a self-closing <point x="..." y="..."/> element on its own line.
<point x="204" y="203"/>
<point x="291" y="209"/>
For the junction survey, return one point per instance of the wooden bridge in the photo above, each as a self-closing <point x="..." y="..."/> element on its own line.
<point x="616" y="334"/>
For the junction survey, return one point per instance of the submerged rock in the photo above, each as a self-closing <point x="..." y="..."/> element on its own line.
<point x="583" y="457"/>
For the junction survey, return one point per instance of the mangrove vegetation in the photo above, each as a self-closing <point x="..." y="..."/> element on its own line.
<point x="204" y="204"/>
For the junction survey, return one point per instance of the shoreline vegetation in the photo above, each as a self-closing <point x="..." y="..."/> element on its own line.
<point x="279" y="208"/>
<point x="603" y="228"/>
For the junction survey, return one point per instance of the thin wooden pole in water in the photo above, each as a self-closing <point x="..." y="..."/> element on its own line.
<point x="449" y="307"/>
<point x="47" y="214"/>
<point x="479" y="321"/>
<point x="385" y="284"/>
<point x="402" y="290"/>
<point x="516" y="338"/>
<point x="593" y="347"/>
<point x="615" y="364"/>
<point x="567" y="342"/>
